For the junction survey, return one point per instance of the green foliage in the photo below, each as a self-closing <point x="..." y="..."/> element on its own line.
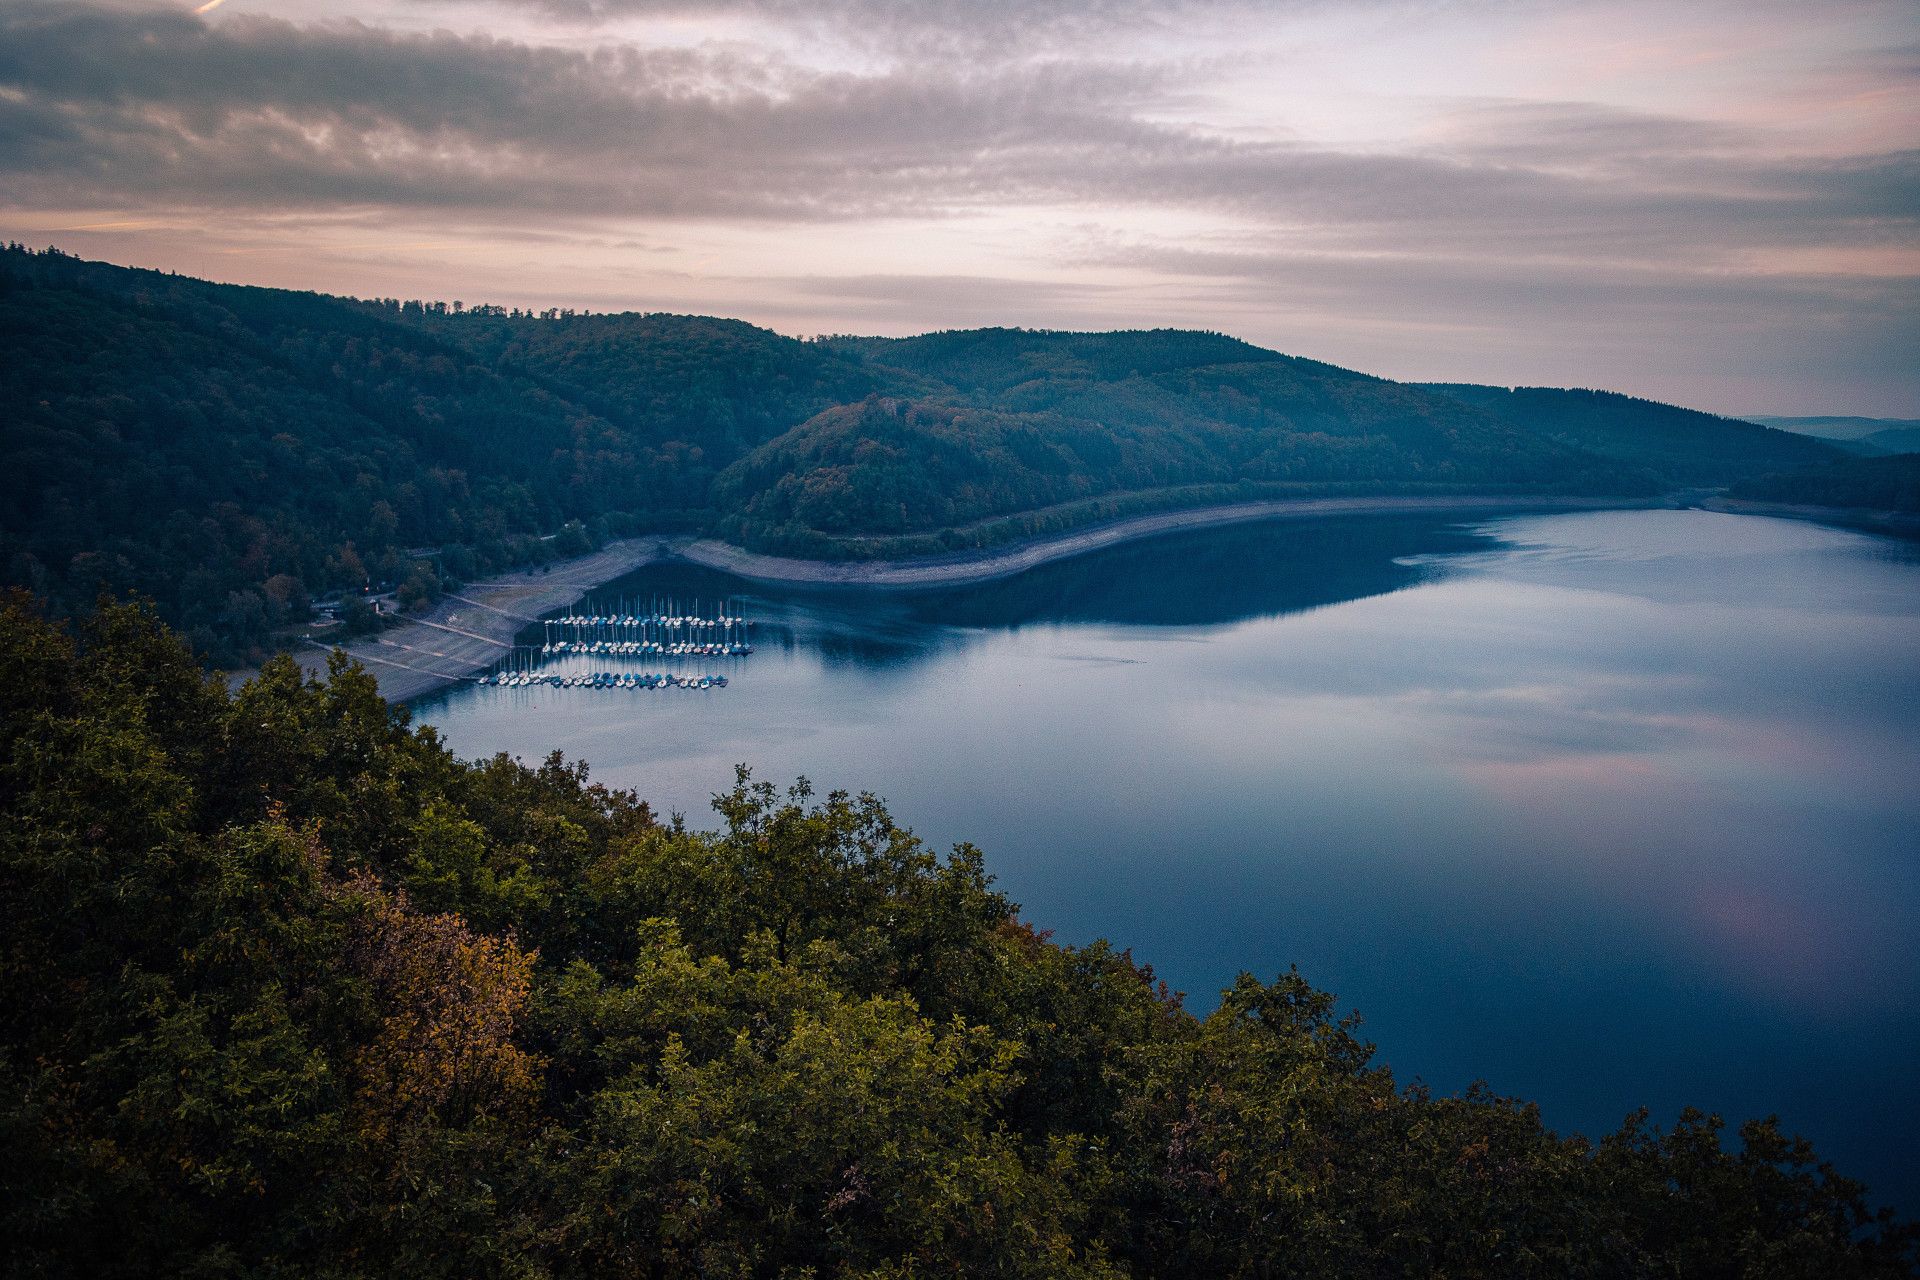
<point x="422" y="587"/>
<point x="1878" y="484"/>
<point x="194" y="442"/>
<point x="685" y="395"/>
<point x="1681" y="445"/>
<point x="287" y="989"/>
<point x="1008" y="422"/>
<point x="234" y="453"/>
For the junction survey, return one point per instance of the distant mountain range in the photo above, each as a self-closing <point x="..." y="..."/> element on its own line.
<point x="1868" y="436"/>
<point x="233" y="451"/>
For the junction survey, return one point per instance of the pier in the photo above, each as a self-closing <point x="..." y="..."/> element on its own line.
<point x="601" y="680"/>
<point x="661" y="629"/>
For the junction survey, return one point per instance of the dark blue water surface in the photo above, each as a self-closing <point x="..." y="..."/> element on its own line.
<point x="1607" y="809"/>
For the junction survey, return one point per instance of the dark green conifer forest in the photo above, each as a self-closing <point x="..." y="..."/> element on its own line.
<point x="291" y="991"/>
<point x="234" y="453"/>
<point x="1880" y="484"/>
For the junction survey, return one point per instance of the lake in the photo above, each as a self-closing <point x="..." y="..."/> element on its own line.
<point x="1606" y="809"/>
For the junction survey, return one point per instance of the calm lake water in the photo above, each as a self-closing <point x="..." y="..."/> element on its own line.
<point x="1606" y="809"/>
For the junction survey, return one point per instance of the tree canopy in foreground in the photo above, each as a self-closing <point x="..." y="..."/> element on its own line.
<point x="290" y="990"/>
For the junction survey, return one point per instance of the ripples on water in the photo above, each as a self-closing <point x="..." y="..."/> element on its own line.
<point x="1605" y="808"/>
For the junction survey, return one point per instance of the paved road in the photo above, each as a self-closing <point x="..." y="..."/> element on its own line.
<point x="467" y="633"/>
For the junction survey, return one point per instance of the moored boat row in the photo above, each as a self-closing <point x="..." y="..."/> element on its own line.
<point x="601" y="680"/>
<point x="664" y="627"/>
<point x="703" y="649"/>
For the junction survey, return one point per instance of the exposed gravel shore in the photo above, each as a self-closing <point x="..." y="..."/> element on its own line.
<point x="1004" y="561"/>
<point x="1897" y="524"/>
<point x="466" y="633"/>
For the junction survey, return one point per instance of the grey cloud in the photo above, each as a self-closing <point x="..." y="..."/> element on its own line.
<point x="927" y="25"/>
<point x="260" y="110"/>
<point x="922" y="12"/>
<point x="1581" y="133"/>
<point x="1486" y="290"/>
<point x="1658" y="210"/>
<point x="1514" y="210"/>
<point x="105" y="104"/>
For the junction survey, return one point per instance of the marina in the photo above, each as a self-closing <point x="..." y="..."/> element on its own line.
<point x="601" y="680"/>
<point x="662" y="629"/>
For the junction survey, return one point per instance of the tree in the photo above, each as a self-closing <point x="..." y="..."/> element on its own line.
<point x="291" y="990"/>
<point x="421" y="588"/>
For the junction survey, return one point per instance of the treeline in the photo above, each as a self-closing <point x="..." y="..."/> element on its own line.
<point x="233" y="453"/>
<point x="1021" y="421"/>
<point x="1868" y="436"/>
<point x="684" y="395"/>
<point x="1878" y="484"/>
<point x="290" y="990"/>
<point x="1682" y="446"/>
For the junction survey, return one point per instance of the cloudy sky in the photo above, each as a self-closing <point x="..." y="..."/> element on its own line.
<point x="1713" y="203"/>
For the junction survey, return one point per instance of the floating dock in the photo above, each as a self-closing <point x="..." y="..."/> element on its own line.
<point x="660" y="630"/>
<point x="601" y="680"/>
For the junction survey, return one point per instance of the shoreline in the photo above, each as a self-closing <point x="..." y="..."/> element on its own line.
<point x="961" y="568"/>
<point x="1891" y="524"/>
<point x="465" y="633"/>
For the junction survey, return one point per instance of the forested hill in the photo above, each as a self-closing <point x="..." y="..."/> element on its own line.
<point x="990" y="362"/>
<point x="291" y="991"/>
<point x="1869" y="436"/>
<point x="1684" y="445"/>
<point x="1876" y="484"/>
<point x="1023" y="420"/>
<point x="692" y="393"/>
<point x="232" y="452"/>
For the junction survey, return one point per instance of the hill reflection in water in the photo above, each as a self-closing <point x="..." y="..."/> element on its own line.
<point x="1208" y="577"/>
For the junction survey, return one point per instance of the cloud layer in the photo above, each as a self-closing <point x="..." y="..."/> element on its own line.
<point x="1126" y="161"/>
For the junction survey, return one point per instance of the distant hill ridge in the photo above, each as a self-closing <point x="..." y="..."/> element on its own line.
<point x="1858" y="435"/>
<point x="1682" y="445"/>
<point x="233" y="451"/>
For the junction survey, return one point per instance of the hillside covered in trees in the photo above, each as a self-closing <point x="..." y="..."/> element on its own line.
<point x="1876" y="483"/>
<point x="231" y="452"/>
<point x="289" y="990"/>
<point x="1024" y="421"/>
<point x="1683" y="446"/>
<point x="234" y="452"/>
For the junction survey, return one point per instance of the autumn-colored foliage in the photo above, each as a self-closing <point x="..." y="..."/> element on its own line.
<point x="449" y="1004"/>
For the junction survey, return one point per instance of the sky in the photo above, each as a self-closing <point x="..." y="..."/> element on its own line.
<point x="1709" y="202"/>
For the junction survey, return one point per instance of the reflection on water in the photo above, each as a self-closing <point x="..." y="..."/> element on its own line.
<point x="1606" y="808"/>
<point x="1208" y="577"/>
